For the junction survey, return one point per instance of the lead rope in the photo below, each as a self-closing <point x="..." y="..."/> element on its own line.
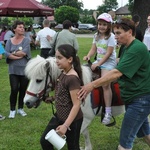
<point x="45" y="88"/>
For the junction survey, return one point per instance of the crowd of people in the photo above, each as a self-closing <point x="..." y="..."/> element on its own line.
<point x="132" y="72"/>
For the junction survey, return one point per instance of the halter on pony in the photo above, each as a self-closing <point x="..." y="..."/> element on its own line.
<point x="41" y="96"/>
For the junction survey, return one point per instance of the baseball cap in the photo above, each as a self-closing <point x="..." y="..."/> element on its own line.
<point x="106" y="17"/>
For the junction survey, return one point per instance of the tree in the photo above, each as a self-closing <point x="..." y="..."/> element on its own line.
<point x="58" y="3"/>
<point x="88" y="19"/>
<point x="142" y="8"/>
<point x="66" y="13"/>
<point x="107" y="6"/>
<point x="86" y="16"/>
<point x="8" y="21"/>
<point x="130" y="6"/>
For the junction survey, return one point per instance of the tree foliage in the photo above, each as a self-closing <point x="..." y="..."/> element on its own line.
<point x="58" y="3"/>
<point x="131" y="4"/>
<point x="8" y="21"/>
<point x="108" y="5"/>
<point x="86" y="16"/>
<point x="66" y="12"/>
<point x="88" y="19"/>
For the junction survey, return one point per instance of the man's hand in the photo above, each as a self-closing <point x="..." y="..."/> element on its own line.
<point x="85" y="90"/>
<point x="49" y="38"/>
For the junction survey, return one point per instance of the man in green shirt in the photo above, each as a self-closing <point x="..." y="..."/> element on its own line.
<point x="133" y="74"/>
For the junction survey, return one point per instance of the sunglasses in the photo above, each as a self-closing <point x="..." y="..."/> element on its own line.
<point x="122" y="22"/>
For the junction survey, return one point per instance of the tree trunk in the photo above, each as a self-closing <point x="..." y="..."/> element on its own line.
<point x="142" y="8"/>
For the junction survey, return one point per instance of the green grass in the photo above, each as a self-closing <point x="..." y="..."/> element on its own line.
<point x="23" y="133"/>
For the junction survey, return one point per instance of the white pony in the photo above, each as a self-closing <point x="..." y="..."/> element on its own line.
<point x="43" y="74"/>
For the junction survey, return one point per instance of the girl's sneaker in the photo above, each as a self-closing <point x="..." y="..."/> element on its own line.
<point x="107" y="118"/>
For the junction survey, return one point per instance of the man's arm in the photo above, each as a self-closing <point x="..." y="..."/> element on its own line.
<point x="108" y="78"/>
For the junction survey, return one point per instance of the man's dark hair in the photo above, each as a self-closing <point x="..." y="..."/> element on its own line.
<point x="67" y="24"/>
<point x="125" y="24"/>
<point x="136" y="18"/>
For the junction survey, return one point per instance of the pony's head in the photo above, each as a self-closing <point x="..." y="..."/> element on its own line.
<point x="42" y="74"/>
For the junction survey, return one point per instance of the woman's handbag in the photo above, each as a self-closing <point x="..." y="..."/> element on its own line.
<point x="52" y="51"/>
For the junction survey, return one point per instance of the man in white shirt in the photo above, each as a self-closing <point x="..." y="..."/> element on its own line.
<point x="43" y="40"/>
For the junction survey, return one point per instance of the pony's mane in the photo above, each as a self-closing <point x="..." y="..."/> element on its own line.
<point x="36" y="69"/>
<point x="87" y="74"/>
<point x="54" y="70"/>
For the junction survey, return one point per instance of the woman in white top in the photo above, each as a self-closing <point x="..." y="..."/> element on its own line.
<point x="146" y="39"/>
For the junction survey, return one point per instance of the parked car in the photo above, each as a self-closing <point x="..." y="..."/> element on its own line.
<point x="60" y="26"/>
<point x="36" y="26"/>
<point x="87" y="27"/>
<point x="74" y="29"/>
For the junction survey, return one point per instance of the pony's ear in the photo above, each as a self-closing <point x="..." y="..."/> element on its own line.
<point x="47" y="65"/>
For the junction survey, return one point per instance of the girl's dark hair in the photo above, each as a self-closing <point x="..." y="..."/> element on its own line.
<point x="68" y="51"/>
<point x="17" y="22"/>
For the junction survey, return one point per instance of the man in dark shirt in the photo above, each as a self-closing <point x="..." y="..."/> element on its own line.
<point x="139" y="35"/>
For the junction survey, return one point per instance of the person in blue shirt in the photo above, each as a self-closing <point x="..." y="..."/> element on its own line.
<point x="1" y="52"/>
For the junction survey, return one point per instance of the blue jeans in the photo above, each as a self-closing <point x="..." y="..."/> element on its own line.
<point x="135" y="122"/>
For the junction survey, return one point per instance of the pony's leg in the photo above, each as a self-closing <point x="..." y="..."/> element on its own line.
<point x="85" y="133"/>
<point x="88" y="145"/>
<point x="88" y="117"/>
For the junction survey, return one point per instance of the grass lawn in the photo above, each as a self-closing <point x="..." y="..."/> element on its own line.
<point x="23" y="133"/>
